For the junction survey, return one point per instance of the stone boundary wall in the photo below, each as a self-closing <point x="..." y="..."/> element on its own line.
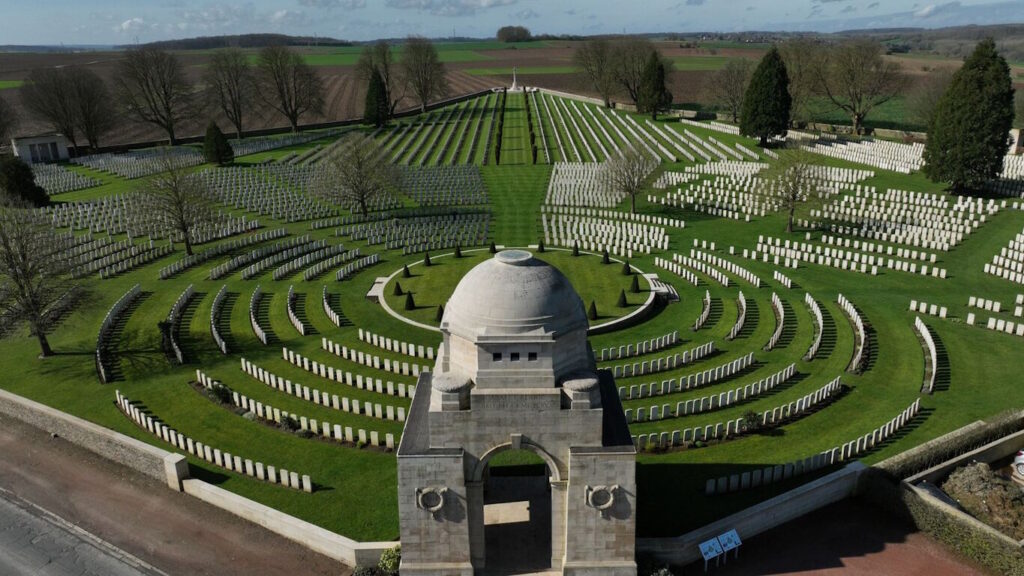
<point x="759" y="518"/>
<point x="124" y="450"/>
<point x="578" y="97"/>
<point x="1001" y="448"/>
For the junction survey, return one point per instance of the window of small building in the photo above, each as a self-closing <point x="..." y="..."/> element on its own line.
<point x="532" y="356"/>
<point x="515" y="356"/>
<point x="496" y="357"/>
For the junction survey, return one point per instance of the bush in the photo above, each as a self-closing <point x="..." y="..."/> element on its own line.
<point x="493" y="249"/>
<point x="626" y="268"/>
<point x="220" y="394"/>
<point x="622" y="299"/>
<point x="604" y="257"/>
<point x="458" y="251"/>
<point x="426" y="259"/>
<point x="540" y="246"/>
<point x="575" y="248"/>
<point x="366" y="571"/>
<point x="592" y="312"/>
<point x="390" y="560"/>
<point x="405" y="272"/>
<point x="751" y="420"/>
<point x="18" y="182"/>
<point x="410" y="304"/>
<point x="216" y="149"/>
<point x="289" y="423"/>
<point x="634" y="286"/>
<point x="398" y="289"/>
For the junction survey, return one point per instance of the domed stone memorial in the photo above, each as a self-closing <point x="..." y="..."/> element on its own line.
<point x="515" y="373"/>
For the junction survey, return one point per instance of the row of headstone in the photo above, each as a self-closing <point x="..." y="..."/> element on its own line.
<point x="140" y="257"/>
<point x="837" y="455"/>
<point x="354" y="268"/>
<point x="741" y="319"/>
<point x="254" y="321"/>
<point x="58" y="179"/>
<point x="711" y="402"/>
<point x="372" y="360"/>
<point x="1005" y="326"/>
<point x="677" y="269"/>
<point x="860" y="334"/>
<point x="305" y="260"/>
<point x="394" y="345"/>
<point x="226" y="460"/>
<point x="701" y="267"/>
<point x="174" y="321"/>
<point x="925" y="308"/>
<point x="878" y="248"/>
<point x="322" y="398"/>
<point x="106" y="327"/>
<point x="639" y="348"/>
<point x="221" y="270"/>
<point x="780" y="277"/>
<point x="932" y="365"/>
<point x="222" y="248"/>
<point x="139" y="163"/>
<point x="293" y="315"/>
<point x="662" y="364"/>
<point x="705" y="311"/>
<point x="819" y="326"/>
<point x="288" y="255"/>
<point x="320" y="267"/>
<point x="780" y="322"/>
<point x="728" y="265"/>
<point x="348" y="378"/>
<point x="215" y="309"/>
<point x="676" y="143"/>
<point x="895" y="156"/>
<point x="688" y="382"/>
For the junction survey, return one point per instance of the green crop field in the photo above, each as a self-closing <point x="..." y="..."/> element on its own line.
<point x="977" y="375"/>
<point x="507" y="70"/>
<point x="8" y="84"/>
<point x="698" y="63"/>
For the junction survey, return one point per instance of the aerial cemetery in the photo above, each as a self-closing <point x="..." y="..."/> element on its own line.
<point x="771" y="306"/>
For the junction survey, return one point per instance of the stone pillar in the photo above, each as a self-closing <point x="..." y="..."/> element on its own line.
<point x="475" y="510"/>
<point x="559" y="492"/>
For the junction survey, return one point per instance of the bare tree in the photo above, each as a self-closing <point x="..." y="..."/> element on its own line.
<point x="151" y="85"/>
<point x="380" y="58"/>
<point x="35" y="285"/>
<point x="95" y="113"/>
<point x="424" y="70"/>
<point x="48" y="95"/>
<point x="181" y="199"/>
<point x="595" y="59"/>
<point x="800" y="56"/>
<point x="631" y="57"/>
<point x="231" y="86"/>
<point x="626" y="173"/>
<point x="728" y="85"/>
<point x="923" y="99"/>
<point x="8" y="120"/>
<point x="791" y="183"/>
<point x="358" y="175"/>
<point x="856" y="78"/>
<point x="289" y="85"/>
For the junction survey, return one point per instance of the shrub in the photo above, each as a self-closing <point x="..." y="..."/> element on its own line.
<point x="626" y="268"/>
<point x="18" y="182"/>
<point x="410" y="304"/>
<point x="304" y="434"/>
<point x="398" y="289"/>
<point x="426" y="259"/>
<point x="216" y="149"/>
<point x="622" y="299"/>
<point x="405" y="272"/>
<point x="540" y="246"/>
<point x="493" y="249"/>
<point x="366" y="571"/>
<point x="289" y="423"/>
<point x="592" y="311"/>
<point x="390" y="560"/>
<point x="751" y="420"/>
<point x="220" y="394"/>
<point x="458" y="251"/>
<point x="604" y="257"/>
<point x="575" y="248"/>
<point x="634" y="286"/>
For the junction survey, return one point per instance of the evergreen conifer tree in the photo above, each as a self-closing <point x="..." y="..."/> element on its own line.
<point x="216" y="148"/>
<point x="767" y="103"/>
<point x="375" y="108"/>
<point x="968" y="135"/>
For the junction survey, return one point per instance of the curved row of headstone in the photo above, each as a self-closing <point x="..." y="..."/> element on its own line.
<point x="780" y="321"/>
<point x="728" y="265"/>
<point x="932" y="356"/>
<point x="687" y="382"/>
<point x="739" y="426"/>
<point x="293" y="315"/>
<point x="57" y="179"/>
<point x="701" y="267"/>
<point x="254" y="307"/>
<point x="639" y="348"/>
<point x="445" y="185"/>
<point x="662" y="364"/>
<point x="394" y="345"/>
<point x="330" y="312"/>
<point x="782" y="278"/>
<point x="847" y="451"/>
<point x="263" y="190"/>
<point x="174" y="321"/>
<point x="225" y="460"/>
<point x="401" y="389"/>
<point x="353" y="268"/>
<point x="741" y="305"/>
<point x="654" y="219"/>
<point x="136" y="256"/>
<point x="677" y="269"/>
<point x="221" y="270"/>
<point x="711" y="402"/>
<point x="372" y="360"/>
<point x="322" y="398"/>
<point x="860" y="334"/>
<point x="307" y="259"/>
<point x="222" y="248"/>
<point x="215" y="310"/>
<point x="895" y="156"/>
<point x="705" y="311"/>
<point x="617" y="236"/>
<point x="107" y="325"/>
<point x="319" y="268"/>
<point x="285" y="256"/>
<point x="819" y="326"/>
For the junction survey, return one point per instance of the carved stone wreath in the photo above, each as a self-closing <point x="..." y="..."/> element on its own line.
<point x="601" y="498"/>
<point x="431" y="498"/>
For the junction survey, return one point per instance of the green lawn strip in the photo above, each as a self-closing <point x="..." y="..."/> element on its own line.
<point x="514" y="142"/>
<point x="516" y="193"/>
<point x="463" y="132"/>
<point x="522" y="70"/>
<point x="9" y="84"/>
<point x="698" y="63"/>
<point x="563" y="153"/>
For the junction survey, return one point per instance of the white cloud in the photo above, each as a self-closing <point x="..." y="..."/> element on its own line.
<point x="448" y="7"/>
<point x="131" y="25"/>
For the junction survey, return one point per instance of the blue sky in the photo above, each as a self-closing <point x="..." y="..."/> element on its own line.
<point x="124" y="21"/>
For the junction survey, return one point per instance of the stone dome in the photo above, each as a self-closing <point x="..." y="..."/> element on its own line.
<point x="514" y="294"/>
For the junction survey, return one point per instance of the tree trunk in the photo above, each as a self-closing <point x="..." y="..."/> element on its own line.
<point x="858" y="119"/>
<point x="238" y="130"/>
<point x="607" y="102"/>
<point x="764" y="141"/>
<point x="423" y="107"/>
<point x="170" y="136"/>
<point x="44" y="345"/>
<point x="188" y="245"/>
<point x="789" y="225"/>
<point x="362" y="205"/>
<point x="632" y="203"/>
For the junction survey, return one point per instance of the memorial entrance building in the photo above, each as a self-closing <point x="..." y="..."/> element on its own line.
<point x="515" y="373"/>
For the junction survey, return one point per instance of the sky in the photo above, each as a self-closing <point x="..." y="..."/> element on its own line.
<point x="109" y="22"/>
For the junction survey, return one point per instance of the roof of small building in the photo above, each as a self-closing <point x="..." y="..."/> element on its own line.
<point x="514" y="294"/>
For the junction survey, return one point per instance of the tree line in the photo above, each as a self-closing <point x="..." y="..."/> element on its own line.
<point x="632" y="68"/>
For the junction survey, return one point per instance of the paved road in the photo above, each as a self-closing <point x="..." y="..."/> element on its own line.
<point x="34" y="542"/>
<point x="133" y="513"/>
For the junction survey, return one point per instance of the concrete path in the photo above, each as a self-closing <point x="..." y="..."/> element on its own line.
<point x="133" y="514"/>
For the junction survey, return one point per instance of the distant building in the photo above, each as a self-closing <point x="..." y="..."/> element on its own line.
<point x="41" y="149"/>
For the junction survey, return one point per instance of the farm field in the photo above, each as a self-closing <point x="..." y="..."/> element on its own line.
<point x="241" y="312"/>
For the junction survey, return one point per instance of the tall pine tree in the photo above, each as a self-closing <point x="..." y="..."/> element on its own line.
<point x="766" y="104"/>
<point x="969" y="132"/>
<point x="376" y="107"/>
<point x="216" y="148"/>
<point x="653" y="95"/>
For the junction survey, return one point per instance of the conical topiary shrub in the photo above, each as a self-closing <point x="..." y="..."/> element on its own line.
<point x="458" y="251"/>
<point x="405" y="272"/>
<point x="634" y="287"/>
<point x="626" y="268"/>
<point x="621" y="304"/>
<point x="410" y="304"/>
<point x="540" y="246"/>
<point x="604" y="257"/>
<point x="592" y="311"/>
<point x="493" y="248"/>
<point x="426" y="259"/>
<point x="398" y="289"/>
<point x="575" y="248"/>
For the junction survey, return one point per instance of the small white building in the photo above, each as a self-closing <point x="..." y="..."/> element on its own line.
<point x="41" y="148"/>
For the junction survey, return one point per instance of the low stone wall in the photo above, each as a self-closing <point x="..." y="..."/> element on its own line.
<point x="581" y="98"/>
<point x="313" y="537"/>
<point x="114" y="446"/>
<point x="759" y="518"/>
<point x="1005" y="446"/>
